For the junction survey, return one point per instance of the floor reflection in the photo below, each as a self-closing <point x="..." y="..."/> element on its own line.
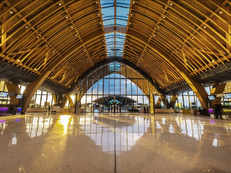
<point x="189" y="127"/>
<point x="180" y="140"/>
<point x="117" y="132"/>
<point x="114" y="133"/>
<point x="38" y="125"/>
<point x="2" y="126"/>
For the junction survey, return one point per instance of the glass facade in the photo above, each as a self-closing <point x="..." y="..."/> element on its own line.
<point x="114" y="79"/>
<point x="42" y="99"/>
<point x="187" y="100"/>
<point x="39" y="100"/>
<point x="119" y="81"/>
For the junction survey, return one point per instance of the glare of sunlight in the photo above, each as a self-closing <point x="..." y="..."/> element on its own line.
<point x="215" y="142"/>
<point x="171" y="129"/>
<point x="163" y="121"/>
<point x="51" y="149"/>
<point x="64" y="121"/>
<point x="14" y="139"/>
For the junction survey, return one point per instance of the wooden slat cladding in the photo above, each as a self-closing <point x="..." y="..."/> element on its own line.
<point x="194" y="34"/>
<point x="32" y="29"/>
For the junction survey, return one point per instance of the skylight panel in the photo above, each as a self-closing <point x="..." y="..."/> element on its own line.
<point x="115" y="14"/>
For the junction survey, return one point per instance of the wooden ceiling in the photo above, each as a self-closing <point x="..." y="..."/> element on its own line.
<point x="195" y="34"/>
<point x="68" y="35"/>
<point x="37" y="34"/>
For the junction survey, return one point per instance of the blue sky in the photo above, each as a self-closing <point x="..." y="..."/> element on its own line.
<point x="122" y="11"/>
<point x="112" y="87"/>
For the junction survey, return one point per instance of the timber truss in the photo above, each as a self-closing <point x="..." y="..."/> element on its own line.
<point x="171" y="41"/>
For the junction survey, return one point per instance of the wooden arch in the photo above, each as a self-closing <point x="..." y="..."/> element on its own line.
<point x="172" y="41"/>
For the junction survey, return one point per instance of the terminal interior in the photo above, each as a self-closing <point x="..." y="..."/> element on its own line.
<point x="140" y="86"/>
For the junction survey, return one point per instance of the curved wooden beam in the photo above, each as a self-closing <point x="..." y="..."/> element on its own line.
<point x="123" y="61"/>
<point x="194" y="85"/>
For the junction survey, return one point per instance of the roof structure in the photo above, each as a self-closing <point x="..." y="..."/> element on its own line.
<point x="114" y="67"/>
<point x="175" y="42"/>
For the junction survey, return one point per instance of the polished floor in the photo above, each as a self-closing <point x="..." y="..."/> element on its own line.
<point x="113" y="143"/>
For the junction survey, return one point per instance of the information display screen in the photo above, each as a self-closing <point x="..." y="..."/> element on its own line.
<point x="3" y="94"/>
<point x="227" y="96"/>
<point x="212" y="97"/>
<point x="19" y="96"/>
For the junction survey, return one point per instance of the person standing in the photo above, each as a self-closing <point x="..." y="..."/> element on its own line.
<point x="217" y="109"/>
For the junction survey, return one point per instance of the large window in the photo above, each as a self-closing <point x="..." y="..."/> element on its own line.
<point x="115" y="79"/>
<point x="188" y="99"/>
<point x="41" y="99"/>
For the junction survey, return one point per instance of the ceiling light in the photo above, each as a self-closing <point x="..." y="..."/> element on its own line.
<point x="66" y="17"/>
<point x="11" y="12"/>
<point x="170" y="3"/>
<point x="220" y="12"/>
<point x="60" y="4"/>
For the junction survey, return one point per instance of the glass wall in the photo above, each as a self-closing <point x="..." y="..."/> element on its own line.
<point x="188" y="99"/>
<point x="114" y="79"/>
<point x="119" y="81"/>
<point x="42" y="99"/>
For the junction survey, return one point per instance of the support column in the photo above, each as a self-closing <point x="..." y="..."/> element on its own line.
<point x="55" y="101"/>
<point x="31" y="89"/>
<point x="158" y="102"/>
<point x="218" y="88"/>
<point x="151" y="102"/>
<point x="164" y="100"/>
<point x="77" y="104"/>
<point x="70" y="100"/>
<point x="71" y="104"/>
<point x="173" y="101"/>
<point x="13" y="91"/>
<point x="193" y="84"/>
<point x="61" y="100"/>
